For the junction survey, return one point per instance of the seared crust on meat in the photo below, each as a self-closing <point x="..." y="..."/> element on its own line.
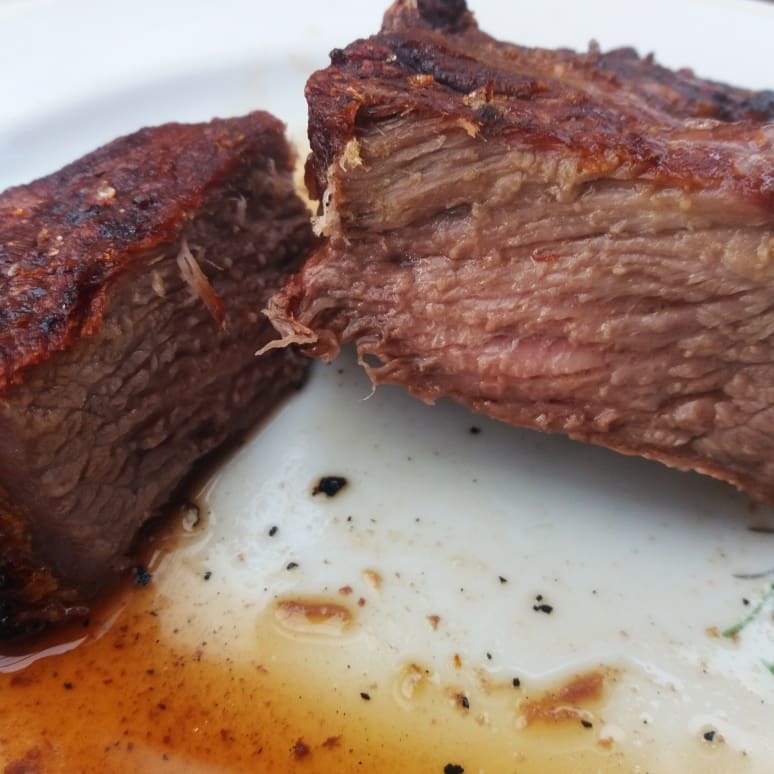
<point x="620" y="111"/>
<point x="23" y="581"/>
<point x="114" y="377"/>
<point x="64" y="237"/>
<point x="576" y="243"/>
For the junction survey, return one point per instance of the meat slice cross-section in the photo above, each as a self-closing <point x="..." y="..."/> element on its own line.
<point x="579" y="243"/>
<point x="131" y="285"/>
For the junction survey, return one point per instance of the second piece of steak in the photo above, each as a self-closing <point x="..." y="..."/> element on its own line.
<point x="578" y="243"/>
<point x="131" y="285"/>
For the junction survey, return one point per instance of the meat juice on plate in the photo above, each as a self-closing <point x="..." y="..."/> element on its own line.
<point x="440" y="610"/>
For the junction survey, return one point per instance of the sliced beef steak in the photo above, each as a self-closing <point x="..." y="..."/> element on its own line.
<point x="578" y="243"/>
<point x="131" y="284"/>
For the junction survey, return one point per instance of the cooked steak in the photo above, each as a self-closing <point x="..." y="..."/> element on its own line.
<point x="131" y="285"/>
<point x="577" y="243"/>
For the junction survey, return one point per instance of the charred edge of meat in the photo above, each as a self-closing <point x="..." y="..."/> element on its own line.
<point x="24" y="585"/>
<point x="370" y="80"/>
<point x="759" y="105"/>
<point x="450" y="15"/>
<point x="576" y="243"/>
<point x="66" y="235"/>
<point x="221" y="194"/>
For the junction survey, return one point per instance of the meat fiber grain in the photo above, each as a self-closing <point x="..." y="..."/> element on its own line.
<point x="580" y="243"/>
<point x="131" y="285"/>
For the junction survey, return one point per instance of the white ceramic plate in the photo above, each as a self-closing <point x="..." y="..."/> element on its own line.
<point x="448" y="537"/>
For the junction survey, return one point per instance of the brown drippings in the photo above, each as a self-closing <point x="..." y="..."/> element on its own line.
<point x="313" y="616"/>
<point x="411" y="679"/>
<point x="566" y="702"/>
<point x="165" y="680"/>
<point x="30" y="763"/>
<point x="138" y="701"/>
<point x="373" y="579"/>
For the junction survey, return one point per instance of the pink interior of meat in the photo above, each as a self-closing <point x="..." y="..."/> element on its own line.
<point x="539" y="290"/>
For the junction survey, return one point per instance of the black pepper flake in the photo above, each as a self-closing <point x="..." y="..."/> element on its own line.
<point x="475" y="430"/>
<point x="587" y="723"/>
<point x="539" y="597"/>
<point x="68" y="686"/>
<point x="465" y="702"/>
<point x="161" y="705"/>
<point x="141" y="576"/>
<point x="547" y="609"/>
<point x="207" y="575"/>
<point x="709" y="736"/>
<point x="501" y="579"/>
<point x="365" y="696"/>
<point x="330" y="486"/>
<point x="273" y="530"/>
<point x="453" y="768"/>
<point x="489" y="656"/>
<point x="291" y="565"/>
<point x="745" y="601"/>
<point x="516" y="682"/>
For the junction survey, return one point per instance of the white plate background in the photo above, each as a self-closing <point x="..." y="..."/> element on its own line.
<point x="638" y="561"/>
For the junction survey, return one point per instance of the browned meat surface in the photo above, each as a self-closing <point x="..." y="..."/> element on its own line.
<point x="577" y="243"/>
<point x="131" y="285"/>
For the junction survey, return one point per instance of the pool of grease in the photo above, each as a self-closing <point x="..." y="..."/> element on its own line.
<point x="487" y="601"/>
<point x="133" y="696"/>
